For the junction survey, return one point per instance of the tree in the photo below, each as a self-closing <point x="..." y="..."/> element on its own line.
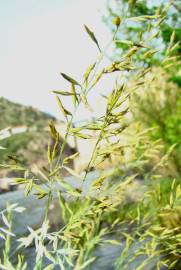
<point x="134" y="31"/>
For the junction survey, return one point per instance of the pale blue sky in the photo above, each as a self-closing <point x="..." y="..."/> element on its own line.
<point x="14" y="13"/>
<point x="40" y="38"/>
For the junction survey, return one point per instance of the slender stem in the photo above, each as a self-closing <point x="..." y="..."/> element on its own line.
<point x="95" y="147"/>
<point x="8" y="237"/>
<point x="64" y="141"/>
<point x="100" y="59"/>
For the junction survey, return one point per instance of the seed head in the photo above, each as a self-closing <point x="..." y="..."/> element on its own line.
<point x="117" y="21"/>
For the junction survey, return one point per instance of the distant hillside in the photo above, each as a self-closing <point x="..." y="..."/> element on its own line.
<point x="30" y="134"/>
<point x="14" y="114"/>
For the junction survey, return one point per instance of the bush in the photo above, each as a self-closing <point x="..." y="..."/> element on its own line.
<point x="158" y="105"/>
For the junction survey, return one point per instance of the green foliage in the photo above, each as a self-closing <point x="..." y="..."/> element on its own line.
<point x="169" y="22"/>
<point x="160" y="107"/>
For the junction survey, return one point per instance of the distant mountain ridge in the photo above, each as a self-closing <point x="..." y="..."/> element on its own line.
<point x="30" y="135"/>
<point x="15" y="114"/>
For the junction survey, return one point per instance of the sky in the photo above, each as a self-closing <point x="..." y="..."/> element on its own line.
<point x="40" y="39"/>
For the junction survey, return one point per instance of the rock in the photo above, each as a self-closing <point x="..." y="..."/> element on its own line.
<point x="5" y="185"/>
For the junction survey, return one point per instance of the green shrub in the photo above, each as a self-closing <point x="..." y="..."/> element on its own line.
<point x="159" y="106"/>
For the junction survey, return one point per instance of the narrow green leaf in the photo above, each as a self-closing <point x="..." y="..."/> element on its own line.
<point x="63" y="93"/>
<point x="98" y="77"/>
<point x="49" y="267"/>
<point x="85" y="264"/>
<point x="28" y="187"/>
<point x="49" y="156"/>
<point x="63" y="110"/>
<point x="88" y="72"/>
<point x="83" y="136"/>
<point x="85" y="102"/>
<point x="6" y="222"/>
<point x="21" y="180"/>
<point x="7" y="232"/>
<point x="38" y="188"/>
<point x="65" y="185"/>
<point x="92" y="36"/>
<point x="41" y="195"/>
<point x="19" y="209"/>
<point x="75" y="130"/>
<point x="74" y="94"/>
<point x="55" y="149"/>
<point x="98" y="182"/>
<point x="69" y="79"/>
<point x="71" y="157"/>
<point x="127" y="42"/>
<point x="113" y="242"/>
<point x="53" y="130"/>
